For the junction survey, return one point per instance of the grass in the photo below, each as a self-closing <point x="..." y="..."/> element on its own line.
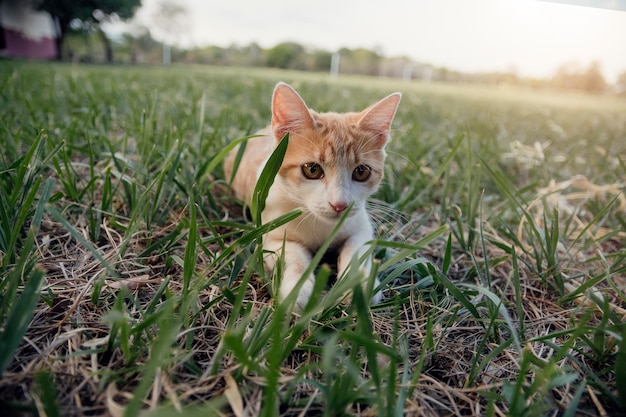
<point x="131" y="281"/>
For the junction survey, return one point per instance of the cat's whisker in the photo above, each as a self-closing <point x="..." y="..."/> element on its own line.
<point x="389" y="174"/>
<point x="399" y="155"/>
<point x="305" y="218"/>
<point x="368" y="152"/>
<point x="303" y="137"/>
<point x="367" y="143"/>
<point x="386" y="212"/>
<point x="387" y="219"/>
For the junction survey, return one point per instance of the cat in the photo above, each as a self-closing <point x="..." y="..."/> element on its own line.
<point x="333" y="162"/>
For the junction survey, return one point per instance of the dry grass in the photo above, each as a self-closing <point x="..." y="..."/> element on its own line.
<point x="479" y="324"/>
<point x="74" y="324"/>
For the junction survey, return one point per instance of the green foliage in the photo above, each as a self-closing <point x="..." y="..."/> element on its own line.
<point x="22" y="205"/>
<point x="17" y="311"/>
<point x="24" y="194"/>
<point x="284" y="55"/>
<point x="83" y="9"/>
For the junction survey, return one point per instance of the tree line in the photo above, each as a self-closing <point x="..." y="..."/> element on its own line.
<point x="81" y="37"/>
<point x="142" y="48"/>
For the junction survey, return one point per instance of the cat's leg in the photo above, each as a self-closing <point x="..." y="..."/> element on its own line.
<point x="297" y="259"/>
<point x="358" y="245"/>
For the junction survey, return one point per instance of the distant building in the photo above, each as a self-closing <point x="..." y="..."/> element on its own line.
<point x="26" y="33"/>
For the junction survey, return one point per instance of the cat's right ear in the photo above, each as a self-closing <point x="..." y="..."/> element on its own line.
<point x="378" y="118"/>
<point x="289" y="112"/>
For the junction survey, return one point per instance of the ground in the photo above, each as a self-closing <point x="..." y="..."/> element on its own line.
<point x="131" y="277"/>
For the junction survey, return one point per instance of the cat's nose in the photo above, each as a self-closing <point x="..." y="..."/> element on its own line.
<point x="338" y="207"/>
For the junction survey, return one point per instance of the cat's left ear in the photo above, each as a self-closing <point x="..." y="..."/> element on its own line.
<point x="289" y="112"/>
<point x="378" y="118"/>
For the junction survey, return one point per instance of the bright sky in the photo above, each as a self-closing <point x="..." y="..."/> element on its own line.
<point x="533" y="37"/>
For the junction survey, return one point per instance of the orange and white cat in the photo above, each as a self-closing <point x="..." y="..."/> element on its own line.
<point x="333" y="162"/>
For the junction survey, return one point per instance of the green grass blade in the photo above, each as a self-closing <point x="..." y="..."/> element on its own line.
<point x="46" y="394"/>
<point x="191" y="248"/>
<point x="160" y="357"/>
<point x="19" y="315"/>
<point x="454" y="290"/>
<point x="266" y="179"/>
<point x="594" y="221"/>
<point x="620" y="369"/>
<point x="217" y="159"/>
<point x="504" y="313"/>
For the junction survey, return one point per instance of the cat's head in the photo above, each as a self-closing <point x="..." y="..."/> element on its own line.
<point x="333" y="159"/>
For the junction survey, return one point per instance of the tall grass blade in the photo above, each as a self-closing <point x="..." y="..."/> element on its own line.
<point x="46" y="396"/>
<point x="215" y="161"/>
<point x="602" y="213"/>
<point x="191" y="247"/>
<point x="504" y="313"/>
<point x="20" y="313"/>
<point x="160" y="356"/>
<point x="445" y="282"/>
<point x="620" y="370"/>
<point x="79" y="237"/>
<point x="266" y="179"/>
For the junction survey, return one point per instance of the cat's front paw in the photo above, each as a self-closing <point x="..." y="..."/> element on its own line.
<point x="377" y="298"/>
<point x="303" y="298"/>
<point x="304" y="294"/>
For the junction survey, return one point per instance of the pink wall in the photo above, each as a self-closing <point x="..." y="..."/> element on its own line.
<point x="27" y="33"/>
<point x="18" y="45"/>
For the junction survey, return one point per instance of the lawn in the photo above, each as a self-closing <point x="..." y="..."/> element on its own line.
<point x="131" y="280"/>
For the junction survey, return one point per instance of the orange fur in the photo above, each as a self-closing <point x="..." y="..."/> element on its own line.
<point x="340" y="145"/>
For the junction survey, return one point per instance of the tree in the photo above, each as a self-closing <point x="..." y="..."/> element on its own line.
<point x="141" y="46"/>
<point x="321" y="60"/>
<point x="284" y="55"/>
<point x="571" y="76"/>
<point x="360" y="61"/>
<point x="620" y="84"/>
<point x="593" y="80"/>
<point x="91" y="13"/>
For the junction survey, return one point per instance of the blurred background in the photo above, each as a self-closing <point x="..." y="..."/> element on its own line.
<point x="573" y="45"/>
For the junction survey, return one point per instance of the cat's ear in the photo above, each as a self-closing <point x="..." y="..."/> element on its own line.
<point x="377" y="118"/>
<point x="289" y="111"/>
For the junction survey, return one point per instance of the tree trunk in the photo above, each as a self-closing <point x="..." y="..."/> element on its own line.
<point x="108" y="49"/>
<point x="60" y="29"/>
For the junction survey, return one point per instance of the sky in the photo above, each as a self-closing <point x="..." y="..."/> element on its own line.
<point x="531" y="37"/>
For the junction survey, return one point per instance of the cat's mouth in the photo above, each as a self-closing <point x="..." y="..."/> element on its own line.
<point x="334" y="216"/>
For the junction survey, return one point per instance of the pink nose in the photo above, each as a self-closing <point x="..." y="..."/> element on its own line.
<point x="338" y="207"/>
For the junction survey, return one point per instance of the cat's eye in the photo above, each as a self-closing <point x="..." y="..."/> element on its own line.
<point x="312" y="171"/>
<point x="361" y="173"/>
